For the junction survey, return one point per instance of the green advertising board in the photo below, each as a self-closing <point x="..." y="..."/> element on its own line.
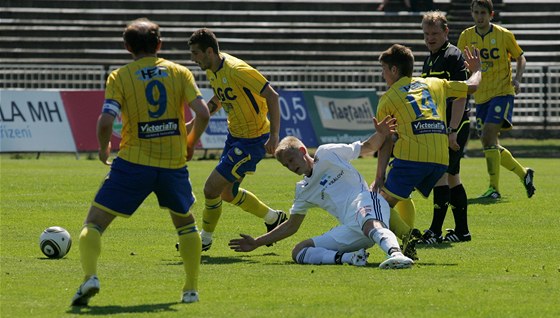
<point x="341" y="116"/>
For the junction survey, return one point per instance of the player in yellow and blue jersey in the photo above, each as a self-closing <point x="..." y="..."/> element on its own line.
<point x="420" y="145"/>
<point x="248" y="99"/>
<point x="150" y="94"/>
<point x="495" y="98"/>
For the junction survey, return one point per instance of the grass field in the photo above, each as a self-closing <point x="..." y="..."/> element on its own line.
<point x="510" y="269"/>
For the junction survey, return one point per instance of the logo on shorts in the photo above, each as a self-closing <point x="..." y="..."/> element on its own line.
<point x="237" y="151"/>
<point x="498" y="109"/>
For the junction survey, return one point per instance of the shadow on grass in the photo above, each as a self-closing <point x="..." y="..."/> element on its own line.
<point x="486" y="201"/>
<point x="224" y="260"/>
<point x="440" y="246"/>
<point x="420" y="264"/>
<point x="113" y="309"/>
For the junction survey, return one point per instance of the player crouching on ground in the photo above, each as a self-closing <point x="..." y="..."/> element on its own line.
<point x="333" y="184"/>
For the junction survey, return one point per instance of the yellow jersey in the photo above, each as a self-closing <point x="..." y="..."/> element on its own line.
<point x="419" y="105"/>
<point x="238" y="86"/>
<point x="150" y="94"/>
<point x="497" y="48"/>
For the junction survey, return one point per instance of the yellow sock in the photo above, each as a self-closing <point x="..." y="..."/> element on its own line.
<point x="250" y="203"/>
<point x="492" y="155"/>
<point x="397" y="225"/>
<point x="407" y="211"/>
<point x="507" y="161"/>
<point x="211" y="214"/>
<point x="190" y="247"/>
<point x="90" y="249"/>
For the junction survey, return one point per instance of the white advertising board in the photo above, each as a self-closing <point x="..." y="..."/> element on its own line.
<point x="34" y="121"/>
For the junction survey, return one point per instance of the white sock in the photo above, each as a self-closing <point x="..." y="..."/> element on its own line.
<point x="386" y="240"/>
<point x="271" y="217"/>
<point x="206" y="236"/>
<point x="316" y="255"/>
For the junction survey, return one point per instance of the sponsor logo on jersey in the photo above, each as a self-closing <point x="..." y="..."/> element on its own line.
<point x="159" y="128"/>
<point x="151" y="72"/>
<point x="421" y="127"/>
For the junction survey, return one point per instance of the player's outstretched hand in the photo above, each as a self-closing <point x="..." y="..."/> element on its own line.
<point x="244" y="244"/>
<point x="385" y="127"/>
<point x="472" y="59"/>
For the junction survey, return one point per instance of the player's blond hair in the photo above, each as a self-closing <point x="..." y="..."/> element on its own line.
<point x="435" y="18"/>
<point x="288" y="143"/>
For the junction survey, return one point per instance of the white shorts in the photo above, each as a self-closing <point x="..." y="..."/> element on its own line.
<point x="349" y="237"/>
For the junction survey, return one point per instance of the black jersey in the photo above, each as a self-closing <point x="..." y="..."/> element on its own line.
<point x="447" y="63"/>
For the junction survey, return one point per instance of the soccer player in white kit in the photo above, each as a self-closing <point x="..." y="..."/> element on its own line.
<point x="333" y="184"/>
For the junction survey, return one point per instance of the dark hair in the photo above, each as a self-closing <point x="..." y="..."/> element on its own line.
<point x="483" y="3"/>
<point x="436" y="18"/>
<point x="399" y="56"/>
<point x="142" y="36"/>
<point x="204" y="38"/>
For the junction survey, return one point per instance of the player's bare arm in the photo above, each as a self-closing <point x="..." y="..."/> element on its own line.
<point x="272" y="100"/>
<point x="247" y="243"/>
<point x="383" y="129"/>
<point x="519" y="70"/>
<point x="214" y="105"/>
<point x="104" y="132"/>
<point x="455" y="121"/>
<point x="383" y="157"/>
<point x="199" y="124"/>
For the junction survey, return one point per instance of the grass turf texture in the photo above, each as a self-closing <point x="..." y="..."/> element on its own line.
<point x="510" y="269"/>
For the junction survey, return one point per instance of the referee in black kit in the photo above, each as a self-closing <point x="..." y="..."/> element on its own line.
<point x="446" y="61"/>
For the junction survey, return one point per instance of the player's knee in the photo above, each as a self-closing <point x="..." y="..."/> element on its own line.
<point x="300" y="248"/>
<point x="372" y="225"/>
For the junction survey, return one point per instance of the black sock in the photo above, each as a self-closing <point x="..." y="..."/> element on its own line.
<point x="441" y="201"/>
<point x="458" y="202"/>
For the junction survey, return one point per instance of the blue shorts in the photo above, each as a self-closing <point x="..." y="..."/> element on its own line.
<point x="498" y="110"/>
<point x="240" y="156"/>
<point x="405" y="176"/>
<point x="128" y="184"/>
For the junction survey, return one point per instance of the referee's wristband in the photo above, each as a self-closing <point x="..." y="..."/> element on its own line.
<point x="451" y="130"/>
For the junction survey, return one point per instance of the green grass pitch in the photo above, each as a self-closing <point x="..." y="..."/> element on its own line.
<point x="510" y="269"/>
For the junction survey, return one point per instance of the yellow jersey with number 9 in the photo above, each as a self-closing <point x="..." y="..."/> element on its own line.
<point x="238" y="86"/>
<point x="150" y="94"/>
<point x="497" y="47"/>
<point x="419" y="105"/>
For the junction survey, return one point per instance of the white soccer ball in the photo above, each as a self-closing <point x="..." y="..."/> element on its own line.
<point x="55" y="242"/>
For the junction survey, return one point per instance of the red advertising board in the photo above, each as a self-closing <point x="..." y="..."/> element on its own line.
<point x="83" y="109"/>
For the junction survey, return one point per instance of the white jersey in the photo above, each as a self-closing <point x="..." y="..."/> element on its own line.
<point x="335" y="185"/>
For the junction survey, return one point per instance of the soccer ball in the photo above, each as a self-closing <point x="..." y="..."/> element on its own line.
<point x="55" y="242"/>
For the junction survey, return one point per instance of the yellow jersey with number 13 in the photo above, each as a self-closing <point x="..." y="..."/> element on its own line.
<point x="497" y="48"/>
<point x="419" y="105"/>
<point x="150" y="94"/>
<point x="238" y="86"/>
